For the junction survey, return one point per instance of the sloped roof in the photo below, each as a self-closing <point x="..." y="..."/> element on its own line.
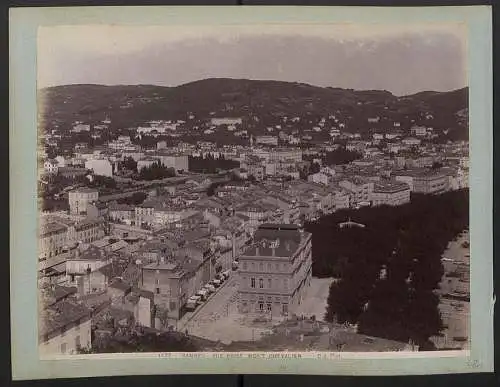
<point x="60" y="315"/>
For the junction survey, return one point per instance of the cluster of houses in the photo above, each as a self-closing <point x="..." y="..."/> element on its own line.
<point x="104" y="160"/>
<point x="142" y="263"/>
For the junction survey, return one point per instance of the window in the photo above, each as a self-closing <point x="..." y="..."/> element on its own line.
<point x="285" y="308"/>
<point x="77" y="341"/>
<point x="277" y="267"/>
<point x="173" y="305"/>
<point x="261" y="306"/>
<point x="157" y="290"/>
<point x="269" y="307"/>
<point x="157" y="281"/>
<point x="261" y="283"/>
<point x="261" y="266"/>
<point x="245" y="265"/>
<point x="269" y="283"/>
<point x="269" y="267"/>
<point x="252" y="282"/>
<point x="285" y="284"/>
<point x="63" y="348"/>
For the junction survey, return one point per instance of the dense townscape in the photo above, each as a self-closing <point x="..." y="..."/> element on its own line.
<point x="224" y="229"/>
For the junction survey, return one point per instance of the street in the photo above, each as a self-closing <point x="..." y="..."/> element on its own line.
<point x="315" y="300"/>
<point x="455" y="314"/>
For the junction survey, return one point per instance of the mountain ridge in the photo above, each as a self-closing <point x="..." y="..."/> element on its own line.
<point x="261" y="103"/>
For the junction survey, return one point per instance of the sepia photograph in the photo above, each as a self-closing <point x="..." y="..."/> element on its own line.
<point x="241" y="189"/>
<point x="275" y="189"/>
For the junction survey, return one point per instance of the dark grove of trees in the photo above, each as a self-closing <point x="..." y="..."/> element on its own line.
<point x="386" y="273"/>
<point x="210" y="164"/>
<point x="129" y="163"/>
<point x="337" y="157"/>
<point x="135" y="199"/>
<point x="155" y="171"/>
<point x="105" y="182"/>
<point x="341" y="156"/>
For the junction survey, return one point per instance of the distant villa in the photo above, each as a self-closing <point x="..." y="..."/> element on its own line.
<point x="350" y="224"/>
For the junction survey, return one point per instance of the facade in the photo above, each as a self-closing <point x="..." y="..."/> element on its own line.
<point x="86" y="231"/>
<point x="410" y="141"/>
<point x="51" y="166"/>
<point x="341" y="199"/>
<point x="144" y="214"/>
<point x="225" y="121"/>
<point x="82" y="263"/>
<point x="80" y="198"/>
<point x="78" y="128"/>
<point x="256" y="170"/>
<point x="52" y="239"/>
<point x="58" y="236"/>
<point x="71" y="172"/>
<point x="267" y="140"/>
<point x="360" y="189"/>
<point x="275" y="271"/>
<point x="419" y="131"/>
<point x="390" y="193"/>
<point x="431" y="183"/>
<point x="122" y="213"/>
<point x="64" y="324"/>
<point x="174" y="279"/>
<point x="406" y="178"/>
<point x="319" y="178"/>
<point x="101" y="167"/>
<point x="178" y="162"/>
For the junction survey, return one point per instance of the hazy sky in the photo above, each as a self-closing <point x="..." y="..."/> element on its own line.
<point x="401" y="59"/>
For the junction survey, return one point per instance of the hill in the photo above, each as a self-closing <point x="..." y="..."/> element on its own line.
<point x="259" y="103"/>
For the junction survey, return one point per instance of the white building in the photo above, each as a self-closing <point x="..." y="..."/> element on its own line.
<point x="390" y="193"/>
<point x="419" y="131"/>
<point x="78" y="128"/>
<point x="275" y="272"/>
<point x="216" y="121"/>
<point x="177" y="161"/>
<point x="101" y="167"/>
<point x="51" y="166"/>
<point x="79" y="200"/>
<point x="341" y="199"/>
<point x="64" y="328"/>
<point x="320" y="178"/>
<point x="360" y="189"/>
<point x="410" y="141"/>
<point x="267" y="140"/>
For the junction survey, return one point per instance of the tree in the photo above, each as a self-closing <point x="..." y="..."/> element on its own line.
<point x="210" y="164"/>
<point x="130" y="164"/>
<point x="135" y="199"/>
<point x="155" y="171"/>
<point x="314" y="168"/>
<point x="408" y="242"/>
